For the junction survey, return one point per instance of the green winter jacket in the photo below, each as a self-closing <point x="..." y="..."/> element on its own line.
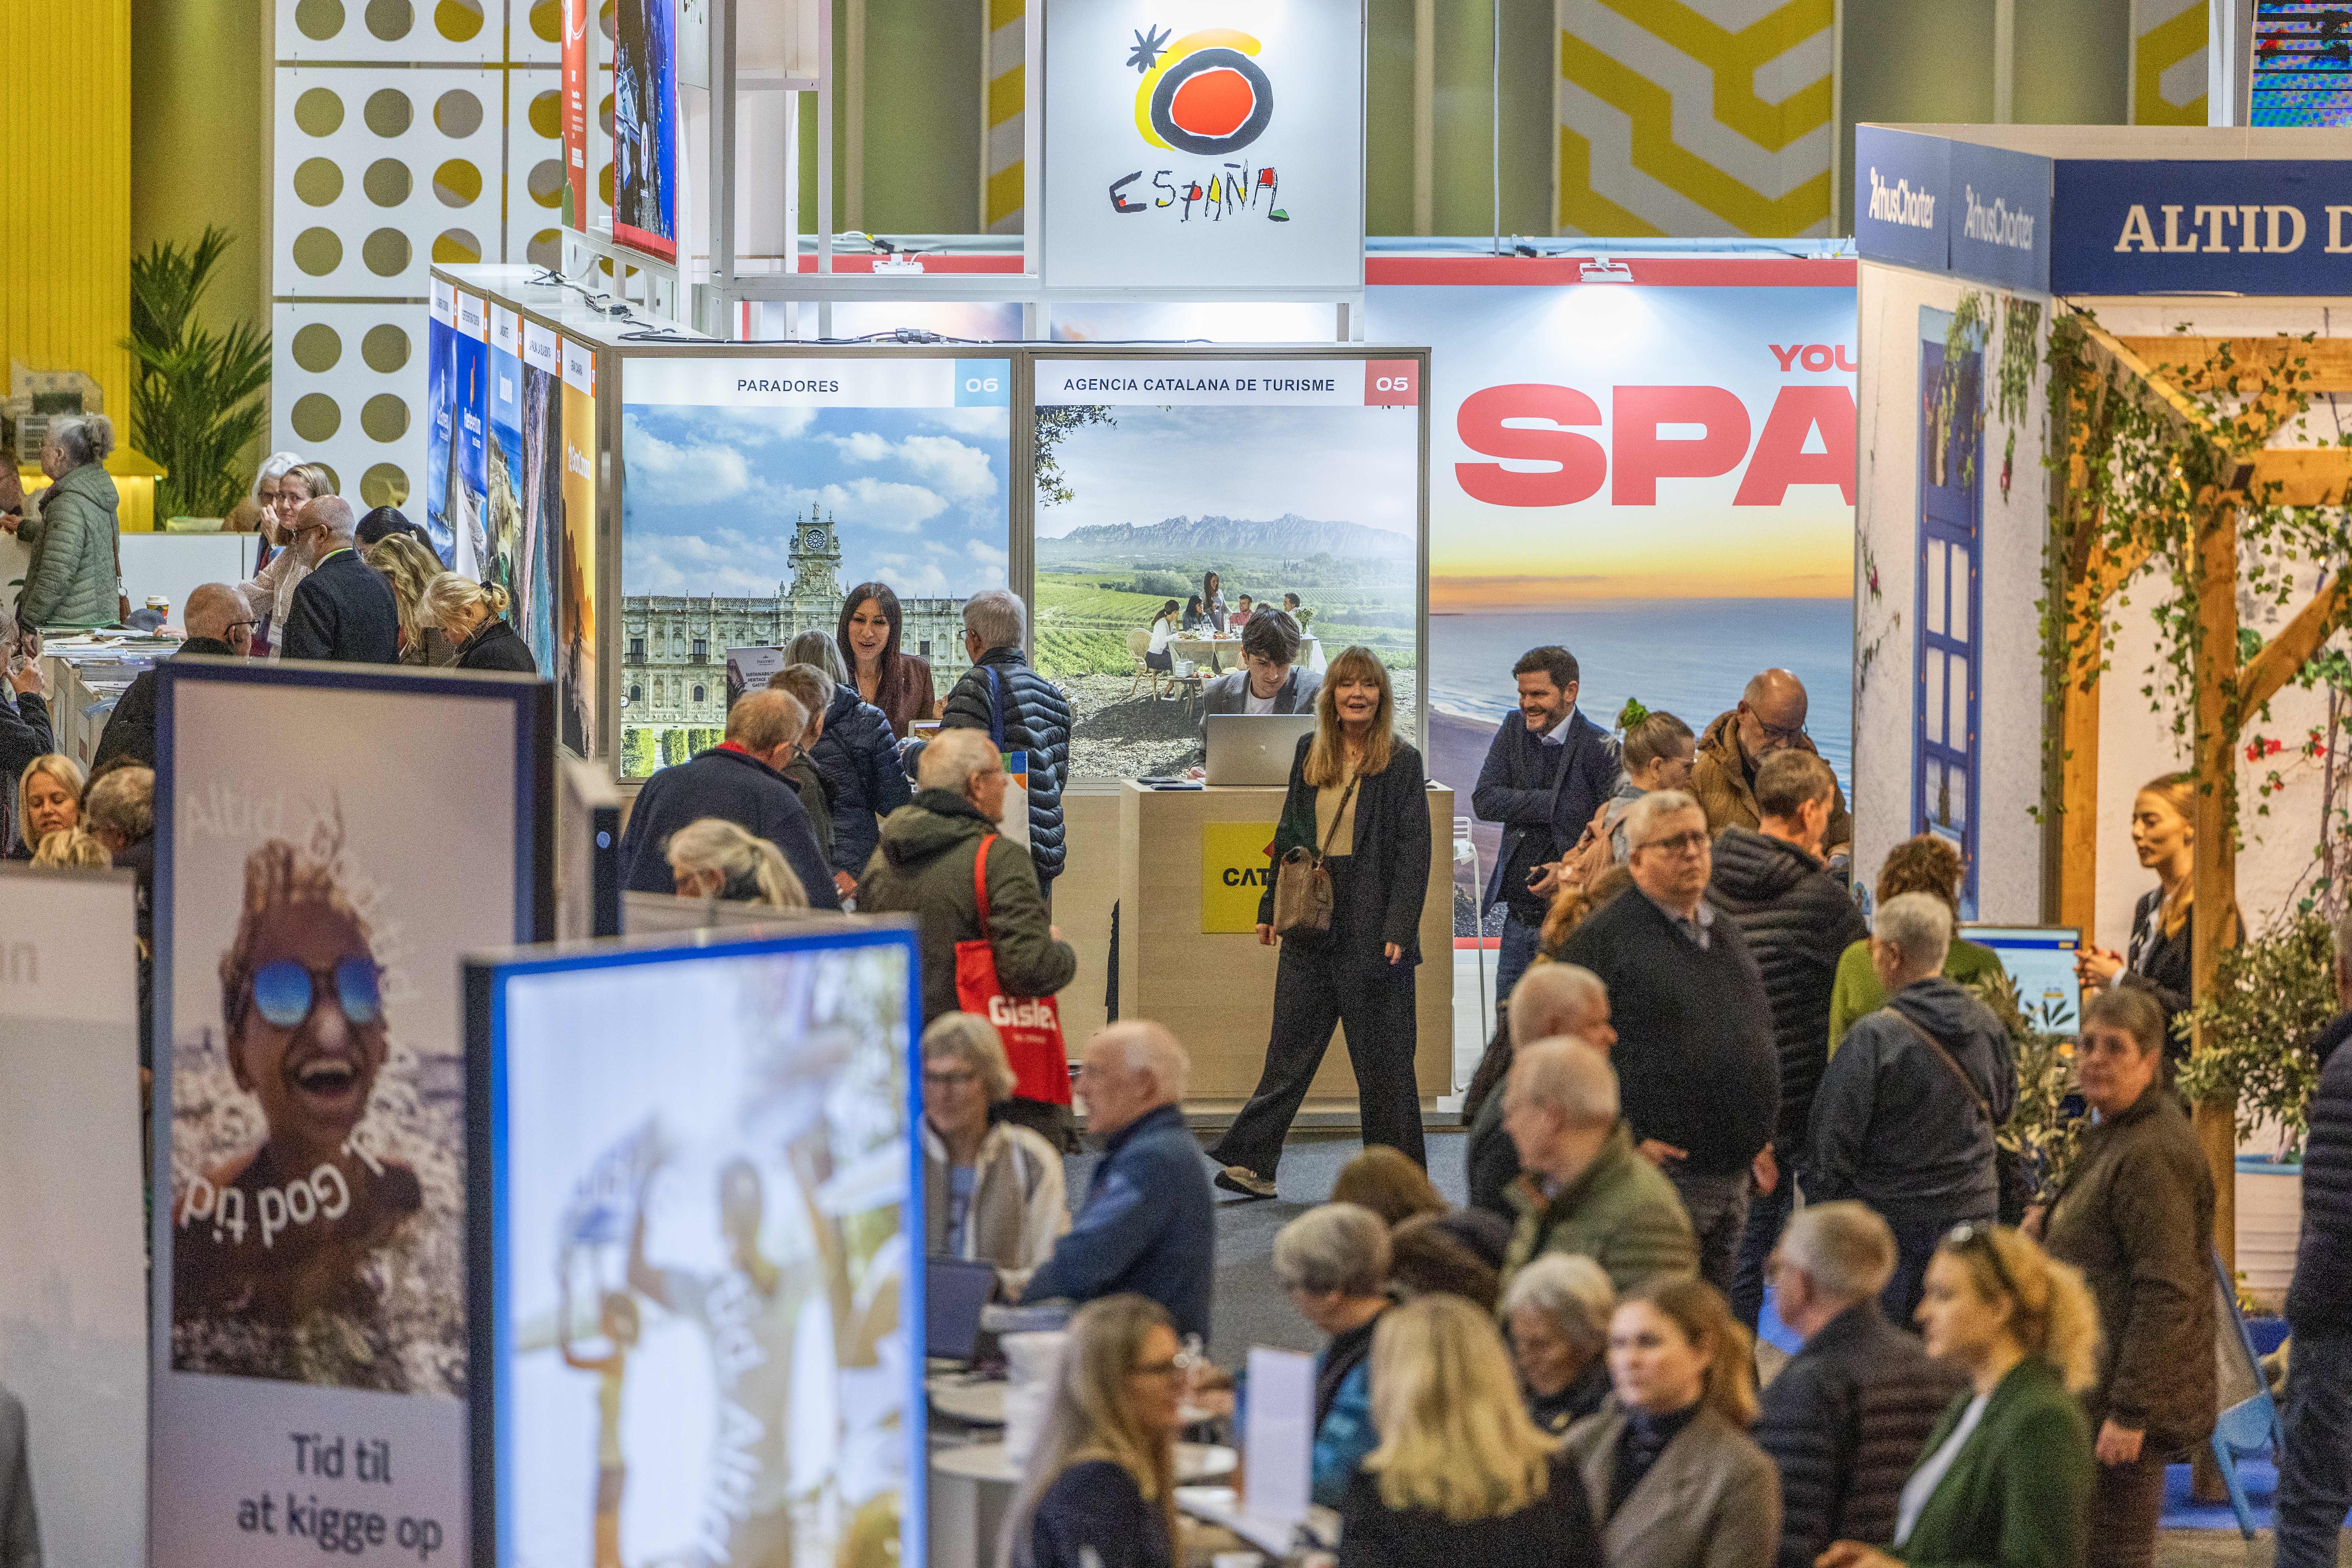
<point x="1621" y="1213"/>
<point x="924" y="868"/>
<point x="71" y="579"/>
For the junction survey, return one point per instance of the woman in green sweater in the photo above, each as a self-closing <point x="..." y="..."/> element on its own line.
<point x="1923" y="865"/>
<point x="2005" y="1480"/>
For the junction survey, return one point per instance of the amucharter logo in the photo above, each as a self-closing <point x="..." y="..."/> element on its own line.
<point x="1206" y="95"/>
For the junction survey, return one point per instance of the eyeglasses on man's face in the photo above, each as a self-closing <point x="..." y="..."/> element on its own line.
<point x="1689" y="843"/>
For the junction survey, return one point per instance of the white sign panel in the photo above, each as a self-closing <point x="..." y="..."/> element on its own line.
<point x="706" y="382"/>
<point x="1200" y="144"/>
<point x="73" y="1304"/>
<point x="1223" y="383"/>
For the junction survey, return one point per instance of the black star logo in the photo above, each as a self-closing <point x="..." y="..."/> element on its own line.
<point x="1149" y="43"/>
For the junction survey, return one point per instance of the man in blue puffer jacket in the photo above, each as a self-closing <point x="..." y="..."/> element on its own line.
<point x="858" y="761"/>
<point x="2315" y="1460"/>
<point x="1000" y="687"/>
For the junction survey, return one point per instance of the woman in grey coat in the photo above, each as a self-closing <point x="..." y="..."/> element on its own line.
<point x="73" y="580"/>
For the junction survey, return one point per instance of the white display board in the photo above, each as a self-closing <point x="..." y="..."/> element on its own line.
<point x="73" y="1304"/>
<point x="1208" y="141"/>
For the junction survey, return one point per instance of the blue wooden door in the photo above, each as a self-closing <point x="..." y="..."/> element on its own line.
<point x="1945" y="645"/>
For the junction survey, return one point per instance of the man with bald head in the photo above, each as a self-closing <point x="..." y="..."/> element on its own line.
<point x="217" y="623"/>
<point x="1771" y="717"/>
<point x="344" y="610"/>
<point x="741" y="780"/>
<point x="1149" y="1224"/>
<point x="1551" y="1000"/>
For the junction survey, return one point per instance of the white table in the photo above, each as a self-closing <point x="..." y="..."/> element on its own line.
<point x="971" y="1488"/>
<point x="979" y="1401"/>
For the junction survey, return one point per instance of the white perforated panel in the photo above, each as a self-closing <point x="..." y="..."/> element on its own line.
<point x="348" y="384"/>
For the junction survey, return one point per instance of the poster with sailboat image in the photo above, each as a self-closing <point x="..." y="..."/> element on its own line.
<point x="454" y="448"/>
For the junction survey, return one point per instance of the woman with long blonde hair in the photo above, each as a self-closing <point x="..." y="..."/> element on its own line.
<point x="1460" y="1473"/>
<point x="2163" y="923"/>
<point x="1668" y="1467"/>
<point x="1358" y="808"/>
<point x="2007" y="1478"/>
<point x="1100" y="1486"/>
<point x="472" y="616"/>
<point x="715" y="858"/>
<point x="410" y="567"/>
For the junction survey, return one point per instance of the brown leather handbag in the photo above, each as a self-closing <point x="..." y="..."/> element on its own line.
<point x="1302" y="888"/>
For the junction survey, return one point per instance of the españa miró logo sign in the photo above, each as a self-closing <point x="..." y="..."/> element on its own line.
<point x="1205" y="95"/>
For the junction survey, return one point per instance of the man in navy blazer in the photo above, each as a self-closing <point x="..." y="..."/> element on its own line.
<point x="1549" y="770"/>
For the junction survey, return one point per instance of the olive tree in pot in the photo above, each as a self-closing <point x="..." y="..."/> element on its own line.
<point x="2271" y="997"/>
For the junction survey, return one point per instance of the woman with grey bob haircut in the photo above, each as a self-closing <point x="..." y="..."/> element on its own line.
<point x="993" y="1194"/>
<point x="1333" y="1263"/>
<point x="1557" y="1315"/>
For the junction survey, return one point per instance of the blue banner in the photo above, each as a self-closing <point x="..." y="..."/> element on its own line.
<point x="1999" y="207"/>
<point x="2245" y="226"/>
<point x="1900" y="211"/>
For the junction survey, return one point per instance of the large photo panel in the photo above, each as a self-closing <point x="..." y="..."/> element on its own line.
<point x="757" y="493"/>
<point x="1658" y="479"/>
<point x="1280" y="478"/>
<point x="313" y="895"/>
<point x="702" y="1255"/>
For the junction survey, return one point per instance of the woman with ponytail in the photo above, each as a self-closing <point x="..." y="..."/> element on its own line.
<point x="472" y="616"/>
<point x="714" y="858"/>
<point x="2007" y="1479"/>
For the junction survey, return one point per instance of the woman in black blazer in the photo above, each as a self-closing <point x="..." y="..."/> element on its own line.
<point x="472" y="616"/>
<point x="2163" y="922"/>
<point x="1356" y="788"/>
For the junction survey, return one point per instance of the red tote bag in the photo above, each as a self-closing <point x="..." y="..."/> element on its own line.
<point x="1031" y="1025"/>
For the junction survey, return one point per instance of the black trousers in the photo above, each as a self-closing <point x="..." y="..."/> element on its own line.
<point x="1319" y="985"/>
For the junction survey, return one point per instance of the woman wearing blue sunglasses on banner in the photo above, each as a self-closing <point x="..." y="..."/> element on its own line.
<point x="283" y="1237"/>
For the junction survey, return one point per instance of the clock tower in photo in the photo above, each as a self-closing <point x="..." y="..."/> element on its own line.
<point x="815" y="561"/>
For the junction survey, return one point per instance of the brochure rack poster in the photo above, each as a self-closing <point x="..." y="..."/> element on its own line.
<point x="454" y="455"/>
<point x="575" y="620"/>
<point x="504" y="562"/>
<point x="1172" y="481"/>
<point x="1658" y="479"/>
<point x="73" y="1308"/>
<point x="645" y="126"/>
<point x="704" y="1258"/>
<point x="312" y="1365"/>
<point x="759" y="492"/>
<point x="575" y="114"/>
<point x="541" y="422"/>
<point x="441" y="426"/>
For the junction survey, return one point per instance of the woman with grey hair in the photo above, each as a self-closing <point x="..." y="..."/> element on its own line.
<point x="75" y="577"/>
<point x="1333" y="1264"/>
<point x="1556" y="1312"/>
<point x="991" y="1194"/>
<point x="856" y="757"/>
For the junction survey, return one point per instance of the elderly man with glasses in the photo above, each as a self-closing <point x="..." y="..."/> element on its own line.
<point x="741" y="780"/>
<point x="1771" y="717"/>
<point x="217" y="623"/>
<point x="1698" y="1076"/>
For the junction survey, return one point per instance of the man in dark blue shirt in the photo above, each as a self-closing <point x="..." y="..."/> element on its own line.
<point x="1149" y="1224"/>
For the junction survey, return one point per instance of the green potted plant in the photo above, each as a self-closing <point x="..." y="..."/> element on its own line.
<point x="2273" y="996"/>
<point x="2043" y="1133"/>
<point x="197" y="402"/>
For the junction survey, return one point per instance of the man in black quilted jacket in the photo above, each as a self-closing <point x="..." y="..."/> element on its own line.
<point x="1000" y="689"/>
<point x="1798" y="921"/>
<point x="1848" y="1416"/>
<point x="2315" y="1460"/>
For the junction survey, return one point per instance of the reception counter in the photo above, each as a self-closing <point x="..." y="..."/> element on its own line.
<point x="1191" y="858"/>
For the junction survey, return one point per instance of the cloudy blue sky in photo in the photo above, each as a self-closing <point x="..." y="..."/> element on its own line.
<point x="1332" y="465"/>
<point x="711" y="496"/>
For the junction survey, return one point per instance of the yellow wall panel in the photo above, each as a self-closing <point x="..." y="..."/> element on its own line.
<point x="65" y="251"/>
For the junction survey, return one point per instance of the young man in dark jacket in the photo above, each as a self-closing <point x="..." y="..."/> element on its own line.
<point x="1549" y="769"/>
<point x="1905" y="1117"/>
<point x="1149" y="1223"/>
<point x="1700" y="1083"/>
<point x="1001" y="696"/>
<point x="1797" y="922"/>
<point x="1846" y="1419"/>
<point x="741" y="780"/>
<point x="343" y="611"/>
<point x="2315" y="1466"/>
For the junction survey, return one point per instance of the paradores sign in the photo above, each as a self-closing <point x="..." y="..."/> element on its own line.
<point x="1182" y="146"/>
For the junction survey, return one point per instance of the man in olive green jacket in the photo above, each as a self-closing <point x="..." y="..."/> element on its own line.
<point x="1586" y="1188"/>
<point x="70" y="581"/>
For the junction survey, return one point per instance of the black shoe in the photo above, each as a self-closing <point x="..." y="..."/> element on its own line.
<point x="1242" y="1180"/>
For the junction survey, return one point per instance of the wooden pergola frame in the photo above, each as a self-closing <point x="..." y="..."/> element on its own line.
<point x="2228" y="693"/>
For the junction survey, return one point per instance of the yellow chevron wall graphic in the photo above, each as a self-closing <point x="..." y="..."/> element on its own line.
<point x="2167" y="85"/>
<point x="1001" y="196"/>
<point x="1696" y="117"/>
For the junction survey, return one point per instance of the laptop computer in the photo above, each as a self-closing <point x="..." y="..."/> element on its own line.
<point x="954" y="1291"/>
<point x="1254" y="748"/>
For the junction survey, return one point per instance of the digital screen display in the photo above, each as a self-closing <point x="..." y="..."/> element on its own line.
<point x="2041" y="960"/>
<point x="2303" y="63"/>
<point x="701" y="1254"/>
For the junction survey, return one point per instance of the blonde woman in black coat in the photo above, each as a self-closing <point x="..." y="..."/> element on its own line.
<point x="1357" y="792"/>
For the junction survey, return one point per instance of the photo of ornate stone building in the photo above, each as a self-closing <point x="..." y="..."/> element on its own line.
<point x="674" y="647"/>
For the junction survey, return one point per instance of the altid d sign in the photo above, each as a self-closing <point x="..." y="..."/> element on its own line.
<point x="2224" y="227"/>
<point x="1206" y="144"/>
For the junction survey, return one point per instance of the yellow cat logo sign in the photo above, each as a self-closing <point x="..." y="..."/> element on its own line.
<point x="1234" y="873"/>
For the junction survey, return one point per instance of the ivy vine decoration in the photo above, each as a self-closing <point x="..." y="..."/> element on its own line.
<point x="2015" y="373"/>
